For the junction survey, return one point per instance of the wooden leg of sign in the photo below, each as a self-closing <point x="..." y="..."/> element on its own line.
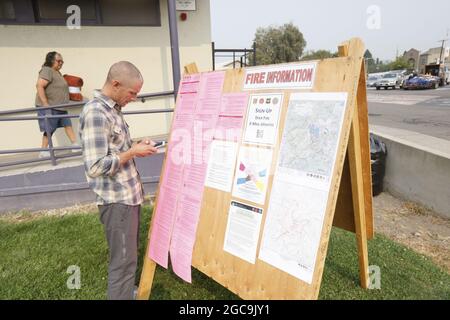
<point x="355" y="163"/>
<point x="363" y="116"/>
<point x="148" y="269"/>
<point x="355" y="158"/>
<point x="148" y="272"/>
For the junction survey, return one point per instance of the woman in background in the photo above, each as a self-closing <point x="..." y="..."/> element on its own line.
<point x="52" y="89"/>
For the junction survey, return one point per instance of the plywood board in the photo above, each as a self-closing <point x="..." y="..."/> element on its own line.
<point x="348" y="205"/>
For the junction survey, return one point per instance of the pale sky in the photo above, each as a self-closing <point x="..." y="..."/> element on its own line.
<point x="403" y="24"/>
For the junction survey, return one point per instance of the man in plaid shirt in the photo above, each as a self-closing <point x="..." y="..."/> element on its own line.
<point x="109" y="154"/>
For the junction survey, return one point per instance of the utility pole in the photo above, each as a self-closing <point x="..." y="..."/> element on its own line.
<point x="442" y="49"/>
<point x="442" y="46"/>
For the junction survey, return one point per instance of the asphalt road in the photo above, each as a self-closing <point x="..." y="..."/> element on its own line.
<point x="423" y="111"/>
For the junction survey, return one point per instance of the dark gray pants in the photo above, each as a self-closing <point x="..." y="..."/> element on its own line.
<point x="121" y="223"/>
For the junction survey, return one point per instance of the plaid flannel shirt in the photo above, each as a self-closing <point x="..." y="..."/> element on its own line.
<point x="104" y="135"/>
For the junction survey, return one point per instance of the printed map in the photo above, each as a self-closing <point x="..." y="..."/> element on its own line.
<point x="301" y="185"/>
<point x="311" y="135"/>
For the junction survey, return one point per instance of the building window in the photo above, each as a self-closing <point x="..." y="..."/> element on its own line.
<point x="56" y="11"/>
<point x="7" y="10"/>
<point x="93" y="12"/>
<point x="130" y="12"/>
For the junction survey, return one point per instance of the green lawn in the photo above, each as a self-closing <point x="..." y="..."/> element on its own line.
<point x="35" y="255"/>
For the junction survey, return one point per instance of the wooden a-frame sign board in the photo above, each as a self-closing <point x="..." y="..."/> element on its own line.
<point x="349" y="204"/>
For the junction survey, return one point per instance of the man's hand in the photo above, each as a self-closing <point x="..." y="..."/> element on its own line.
<point x="141" y="149"/>
<point x="144" y="148"/>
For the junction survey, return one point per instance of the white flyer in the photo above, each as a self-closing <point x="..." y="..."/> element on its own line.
<point x="302" y="181"/>
<point x="242" y="233"/>
<point x="263" y="116"/>
<point x="222" y="160"/>
<point x="252" y="174"/>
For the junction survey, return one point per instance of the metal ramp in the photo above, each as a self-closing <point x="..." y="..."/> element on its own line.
<point x="40" y="185"/>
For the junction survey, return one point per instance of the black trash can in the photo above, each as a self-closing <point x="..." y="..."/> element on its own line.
<point x="378" y="154"/>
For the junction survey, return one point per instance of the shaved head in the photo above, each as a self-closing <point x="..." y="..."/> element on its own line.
<point x="124" y="72"/>
<point x="123" y="83"/>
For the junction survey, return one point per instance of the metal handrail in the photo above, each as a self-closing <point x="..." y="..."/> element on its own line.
<point x="72" y="116"/>
<point x="47" y="116"/>
<point x="26" y="110"/>
<point x="243" y="54"/>
<point x="142" y="97"/>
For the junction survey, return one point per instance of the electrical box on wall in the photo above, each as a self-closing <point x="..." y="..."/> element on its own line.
<point x="186" y="5"/>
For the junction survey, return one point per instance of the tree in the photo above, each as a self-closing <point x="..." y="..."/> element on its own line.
<point x="370" y="62"/>
<point x="368" y="55"/>
<point x="378" y="67"/>
<point x="399" y="64"/>
<point x="318" y="55"/>
<point x="375" y="64"/>
<point x="278" y="44"/>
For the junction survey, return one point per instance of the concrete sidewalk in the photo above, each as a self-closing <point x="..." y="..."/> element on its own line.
<point x="417" y="140"/>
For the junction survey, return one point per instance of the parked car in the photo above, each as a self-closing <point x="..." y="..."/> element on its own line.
<point x="389" y="80"/>
<point x="402" y="75"/>
<point x="422" y="82"/>
<point x="372" y="80"/>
